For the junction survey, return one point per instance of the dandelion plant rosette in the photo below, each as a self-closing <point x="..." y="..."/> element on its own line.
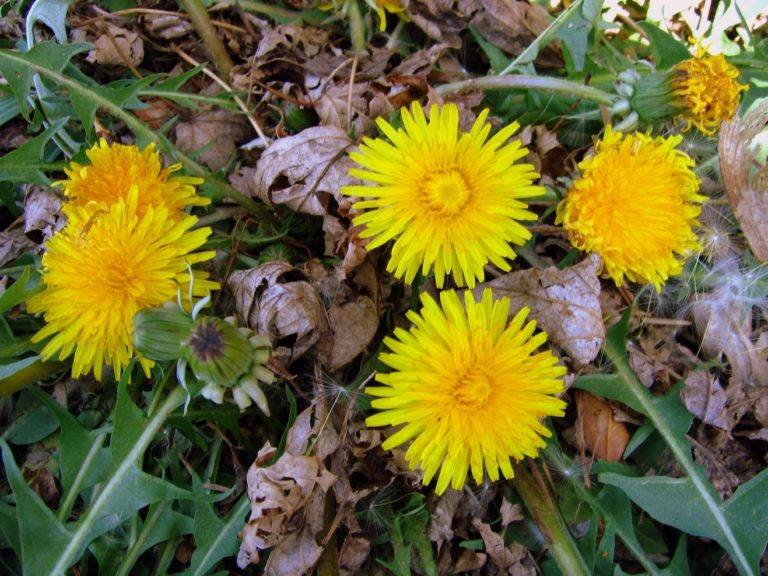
<point x="115" y="169"/>
<point x="635" y="204"/>
<point x="448" y="200"/>
<point x="104" y="267"/>
<point x="467" y="388"/>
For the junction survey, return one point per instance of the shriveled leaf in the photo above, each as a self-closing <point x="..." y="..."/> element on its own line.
<point x="506" y="558"/>
<point x="297" y="554"/>
<point x="117" y="46"/>
<point x="510" y="512"/>
<point x="746" y="188"/>
<point x="274" y="299"/>
<point x="213" y="135"/>
<point x="706" y="399"/>
<point x="302" y="172"/>
<point x="41" y="213"/>
<point x="353" y="554"/>
<point x="564" y="302"/>
<point x="510" y="25"/>
<point x="14" y="243"/>
<point x="605" y="437"/>
<point x="276" y="493"/>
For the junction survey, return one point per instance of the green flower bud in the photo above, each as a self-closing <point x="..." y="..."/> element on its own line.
<point x="218" y="352"/>
<point x="161" y="334"/>
<point x="654" y="99"/>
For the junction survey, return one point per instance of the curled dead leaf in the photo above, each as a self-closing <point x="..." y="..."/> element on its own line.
<point x="214" y="134"/>
<point x="705" y="398"/>
<point x="354" y="552"/>
<point x="746" y="187"/>
<point x="117" y="46"/>
<point x="302" y="172"/>
<point x="275" y="299"/>
<point x="604" y="435"/>
<point x="508" y="559"/>
<point x="566" y="304"/>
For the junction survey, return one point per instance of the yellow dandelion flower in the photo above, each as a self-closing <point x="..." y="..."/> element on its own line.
<point x="116" y="168"/>
<point x="384" y="6"/>
<point x="103" y="268"/>
<point x="636" y="205"/>
<point x="469" y="388"/>
<point x="449" y="200"/>
<point x="708" y="89"/>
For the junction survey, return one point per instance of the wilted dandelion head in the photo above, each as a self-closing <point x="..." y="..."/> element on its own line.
<point x="468" y="388"/>
<point x="636" y="205"/>
<point x="708" y="89"/>
<point x="103" y="268"/>
<point x="449" y="200"/>
<point x="115" y="169"/>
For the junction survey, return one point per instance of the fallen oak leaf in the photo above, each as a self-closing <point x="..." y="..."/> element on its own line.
<point x="604" y="435"/>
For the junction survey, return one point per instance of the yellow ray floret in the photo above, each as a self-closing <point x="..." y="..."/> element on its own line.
<point x="115" y="169"/>
<point x="448" y="200"/>
<point x="103" y="268"/>
<point x="708" y="89"/>
<point x="468" y="389"/>
<point x="636" y="205"/>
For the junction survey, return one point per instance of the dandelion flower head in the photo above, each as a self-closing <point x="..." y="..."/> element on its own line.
<point x="103" y="268"/>
<point x="114" y="169"/>
<point x="448" y="200"/>
<point x="469" y="389"/>
<point x="708" y="90"/>
<point x="636" y="205"/>
<point x="384" y="6"/>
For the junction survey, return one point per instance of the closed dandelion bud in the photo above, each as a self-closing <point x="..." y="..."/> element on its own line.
<point x="653" y="98"/>
<point x="161" y="334"/>
<point x="218" y="352"/>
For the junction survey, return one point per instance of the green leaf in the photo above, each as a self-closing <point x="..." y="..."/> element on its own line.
<point x="667" y="50"/>
<point x="496" y="56"/>
<point x="40" y="532"/>
<point x="162" y="525"/>
<point x="52" y="13"/>
<point x="575" y="31"/>
<point x="25" y="286"/>
<point x="15" y="66"/>
<point x="678" y="502"/>
<point x="216" y="537"/>
<point x="679" y="565"/>
<point x="32" y="425"/>
<point x="25" y="165"/>
<point x="9" y="528"/>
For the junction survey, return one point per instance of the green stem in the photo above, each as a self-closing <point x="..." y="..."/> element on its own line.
<point x="202" y="23"/>
<point x="275" y="12"/>
<point x="29" y="374"/>
<point x="539" y="502"/>
<point x="618" y="357"/>
<point x="82" y="474"/>
<point x="141" y="130"/>
<point x="109" y="490"/>
<point x="527" y="82"/>
<point x="356" y="28"/>
<point x="133" y="554"/>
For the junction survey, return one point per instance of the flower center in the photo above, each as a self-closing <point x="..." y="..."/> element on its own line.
<point x="446" y="191"/>
<point x="473" y="388"/>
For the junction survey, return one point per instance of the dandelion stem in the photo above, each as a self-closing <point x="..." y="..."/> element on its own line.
<point x="539" y="502"/>
<point x="528" y="82"/>
<point x="110" y="489"/>
<point x="202" y="23"/>
<point x="356" y="28"/>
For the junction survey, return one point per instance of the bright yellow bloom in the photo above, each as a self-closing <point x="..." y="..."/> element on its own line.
<point x="116" y="168"/>
<point x="103" y="268"/>
<point x="384" y="6"/>
<point x="708" y="89"/>
<point x="470" y="389"/>
<point x="448" y="200"/>
<point x="636" y="205"/>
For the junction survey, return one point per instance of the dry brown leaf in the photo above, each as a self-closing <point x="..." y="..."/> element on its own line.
<point x="354" y="325"/>
<point x="302" y="172"/>
<point x="437" y="19"/>
<point x="274" y="299"/>
<point x="296" y="555"/>
<point x="13" y="243"/>
<point x="41" y="214"/>
<point x="166" y="26"/>
<point x="116" y="46"/>
<point x="276" y="493"/>
<point x="512" y="25"/>
<point x="705" y="398"/>
<point x="470" y="561"/>
<point x="566" y="304"/>
<point x="215" y="134"/>
<point x="510" y="512"/>
<point x="604" y="435"/>
<point x="746" y="188"/>
<point x="341" y="105"/>
<point x="353" y="554"/>
<point x="506" y="558"/>
<point x="441" y="519"/>
<point x="726" y="328"/>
